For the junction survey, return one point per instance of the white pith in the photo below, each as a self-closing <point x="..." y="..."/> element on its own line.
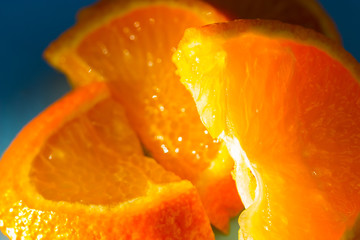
<point x="242" y="164"/>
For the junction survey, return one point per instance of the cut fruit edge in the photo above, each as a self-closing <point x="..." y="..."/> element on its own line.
<point x="94" y="221"/>
<point x="273" y="28"/>
<point x="99" y="14"/>
<point x="16" y="164"/>
<point x="323" y="21"/>
<point x="36" y="133"/>
<point x="250" y="195"/>
<point x="62" y="53"/>
<point x="327" y="24"/>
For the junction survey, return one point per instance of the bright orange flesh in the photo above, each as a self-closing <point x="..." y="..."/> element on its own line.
<point x="131" y="47"/>
<point x="286" y="101"/>
<point x="78" y="171"/>
<point x="114" y="182"/>
<point x="147" y="84"/>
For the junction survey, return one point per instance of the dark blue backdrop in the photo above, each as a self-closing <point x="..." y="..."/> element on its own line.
<point x="28" y="84"/>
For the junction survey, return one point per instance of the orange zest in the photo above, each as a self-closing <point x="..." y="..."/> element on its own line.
<point x="286" y="102"/>
<point x="77" y="171"/>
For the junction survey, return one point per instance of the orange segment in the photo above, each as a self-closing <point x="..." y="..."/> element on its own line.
<point x="77" y="171"/>
<point x="114" y="182"/>
<point x="286" y="102"/>
<point x="130" y="45"/>
<point x="307" y="13"/>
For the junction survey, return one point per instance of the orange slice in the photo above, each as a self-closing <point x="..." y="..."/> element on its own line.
<point x="307" y="13"/>
<point x="77" y="171"/>
<point x="287" y="102"/>
<point x="130" y="44"/>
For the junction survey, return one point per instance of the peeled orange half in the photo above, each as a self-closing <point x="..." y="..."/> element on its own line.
<point x="77" y="171"/>
<point x="129" y="44"/>
<point x="286" y="101"/>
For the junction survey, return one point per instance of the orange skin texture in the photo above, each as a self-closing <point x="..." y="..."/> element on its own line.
<point x="175" y="217"/>
<point x="174" y="212"/>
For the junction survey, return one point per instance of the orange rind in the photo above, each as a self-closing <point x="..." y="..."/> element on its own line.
<point x="77" y="171"/>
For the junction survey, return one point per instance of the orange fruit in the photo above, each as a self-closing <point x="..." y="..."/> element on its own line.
<point x="130" y="45"/>
<point x="286" y="101"/>
<point x="77" y="171"/>
<point x="307" y="13"/>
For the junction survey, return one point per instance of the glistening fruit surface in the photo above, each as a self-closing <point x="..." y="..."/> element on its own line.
<point x="286" y="101"/>
<point x="77" y="171"/>
<point x="129" y="44"/>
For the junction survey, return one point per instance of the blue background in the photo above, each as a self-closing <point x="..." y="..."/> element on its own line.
<point x="28" y="85"/>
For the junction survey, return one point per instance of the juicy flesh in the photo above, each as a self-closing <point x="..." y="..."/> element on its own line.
<point x="295" y="112"/>
<point x="307" y="102"/>
<point x="134" y="52"/>
<point x="308" y="99"/>
<point x="95" y="158"/>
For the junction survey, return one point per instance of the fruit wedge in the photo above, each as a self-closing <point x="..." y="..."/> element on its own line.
<point x="286" y="101"/>
<point x="77" y="171"/>
<point x="307" y="13"/>
<point x="130" y="44"/>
